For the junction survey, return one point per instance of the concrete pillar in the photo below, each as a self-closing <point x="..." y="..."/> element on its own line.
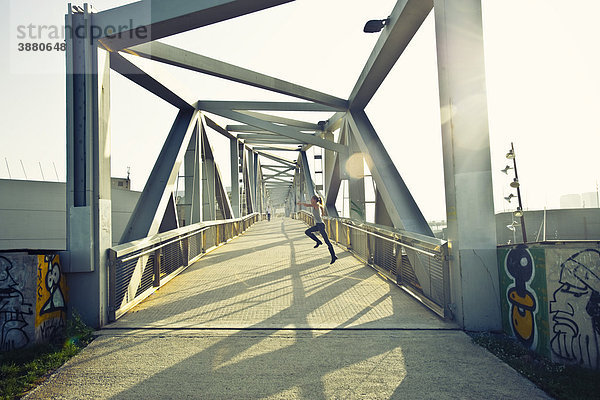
<point x="88" y="201"/>
<point x="467" y="164"/>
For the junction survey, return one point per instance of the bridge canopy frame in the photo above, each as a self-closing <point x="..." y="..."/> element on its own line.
<point x="89" y="60"/>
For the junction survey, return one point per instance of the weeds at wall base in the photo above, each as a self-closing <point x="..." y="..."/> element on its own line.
<point x="21" y="370"/>
<point x="563" y="382"/>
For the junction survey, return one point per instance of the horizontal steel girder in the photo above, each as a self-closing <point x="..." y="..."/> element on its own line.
<point x="264" y="106"/>
<point x="282" y="130"/>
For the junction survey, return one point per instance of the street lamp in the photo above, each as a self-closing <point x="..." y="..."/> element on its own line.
<point x="515" y="184"/>
<point x="375" y="25"/>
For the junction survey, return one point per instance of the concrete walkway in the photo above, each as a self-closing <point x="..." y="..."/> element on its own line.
<point x="267" y="317"/>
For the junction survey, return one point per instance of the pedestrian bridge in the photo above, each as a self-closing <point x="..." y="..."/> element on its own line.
<point x="332" y="145"/>
<point x="272" y="278"/>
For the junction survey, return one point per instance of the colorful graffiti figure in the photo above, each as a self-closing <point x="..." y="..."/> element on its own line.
<point x="12" y="310"/>
<point x="56" y="302"/>
<point x="575" y="310"/>
<point x="523" y="305"/>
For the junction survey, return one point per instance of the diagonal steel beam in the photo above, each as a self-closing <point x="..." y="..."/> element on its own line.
<point x="281" y="160"/>
<point x="282" y="120"/>
<point x="398" y="200"/>
<point x="282" y="130"/>
<point x="276" y="148"/>
<point x="212" y="124"/>
<point x="147" y="20"/>
<point x="137" y="75"/>
<point x="150" y="208"/>
<point x="186" y="59"/>
<point x="405" y="20"/>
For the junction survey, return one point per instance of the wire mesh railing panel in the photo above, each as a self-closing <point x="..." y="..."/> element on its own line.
<point x="147" y="280"/>
<point x="387" y="249"/>
<point x="407" y="273"/>
<point x="195" y="246"/>
<point x="385" y="255"/>
<point x="134" y="269"/>
<point x="358" y="241"/>
<point x="123" y="279"/>
<point x="172" y="258"/>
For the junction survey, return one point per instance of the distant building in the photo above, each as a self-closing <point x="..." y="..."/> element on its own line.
<point x="120" y="183"/>
<point x="589" y="200"/>
<point x="583" y="200"/>
<point x="570" y="201"/>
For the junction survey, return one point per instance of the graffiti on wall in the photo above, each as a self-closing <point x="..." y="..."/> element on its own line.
<point x="522" y="299"/>
<point x="575" y="310"/>
<point x="51" y="304"/>
<point x="13" y="310"/>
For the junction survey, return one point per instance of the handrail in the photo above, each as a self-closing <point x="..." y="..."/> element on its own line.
<point x="421" y="267"/>
<point x="138" y="268"/>
<point x="135" y="245"/>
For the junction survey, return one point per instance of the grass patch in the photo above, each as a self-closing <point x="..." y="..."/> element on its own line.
<point x="21" y="370"/>
<point x="566" y="382"/>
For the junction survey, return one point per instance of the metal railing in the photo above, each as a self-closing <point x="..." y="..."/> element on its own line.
<point x="394" y="253"/>
<point x="138" y="268"/>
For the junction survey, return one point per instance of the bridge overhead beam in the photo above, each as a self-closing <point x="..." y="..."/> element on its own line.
<point x="467" y="164"/>
<point x="143" y="78"/>
<point x="269" y="126"/>
<point x="401" y="206"/>
<point x="150" y="208"/>
<point x="265" y="106"/>
<point x="148" y="20"/>
<point x="405" y="19"/>
<point x="186" y="59"/>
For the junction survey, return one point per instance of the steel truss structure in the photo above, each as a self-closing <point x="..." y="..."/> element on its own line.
<point x="255" y="183"/>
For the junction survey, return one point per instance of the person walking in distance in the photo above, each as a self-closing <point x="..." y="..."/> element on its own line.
<point x="315" y="203"/>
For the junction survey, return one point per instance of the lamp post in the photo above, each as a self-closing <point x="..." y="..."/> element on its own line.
<point x="515" y="184"/>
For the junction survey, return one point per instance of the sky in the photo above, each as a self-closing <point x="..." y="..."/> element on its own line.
<point x="541" y="60"/>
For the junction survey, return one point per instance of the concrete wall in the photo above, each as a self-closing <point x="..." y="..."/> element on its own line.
<point x="568" y="224"/>
<point x="550" y="299"/>
<point x="33" y="299"/>
<point x="32" y="214"/>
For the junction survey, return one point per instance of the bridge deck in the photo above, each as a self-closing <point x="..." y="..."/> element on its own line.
<point x="187" y="342"/>
<point x="272" y="277"/>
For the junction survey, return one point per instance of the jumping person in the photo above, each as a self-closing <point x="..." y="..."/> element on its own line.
<point x="315" y="203"/>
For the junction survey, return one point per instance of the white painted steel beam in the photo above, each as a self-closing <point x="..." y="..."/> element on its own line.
<point x="405" y="19"/>
<point x="281" y="160"/>
<point x="147" y="20"/>
<point x="282" y="120"/>
<point x="212" y="124"/>
<point x="265" y="106"/>
<point x="150" y="208"/>
<point x="186" y="59"/>
<point x="282" y="130"/>
<point x="138" y="75"/>
<point x="403" y="209"/>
